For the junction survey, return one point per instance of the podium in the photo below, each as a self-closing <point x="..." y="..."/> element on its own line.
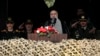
<point x="52" y="38"/>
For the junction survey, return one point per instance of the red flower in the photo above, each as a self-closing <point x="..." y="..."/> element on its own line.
<point x="50" y="28"/>
<point x="47" y="29"/>
<point x="41" y="29"/>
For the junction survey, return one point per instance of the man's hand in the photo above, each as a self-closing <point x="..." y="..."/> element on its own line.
<point x="21" y="26"/>
<point x="74" y="25"/>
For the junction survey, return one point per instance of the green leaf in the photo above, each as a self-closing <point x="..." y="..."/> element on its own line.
<point x="49" y="3"/>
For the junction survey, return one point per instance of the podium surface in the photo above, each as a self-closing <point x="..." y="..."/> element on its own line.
<point x="52" y="38"/>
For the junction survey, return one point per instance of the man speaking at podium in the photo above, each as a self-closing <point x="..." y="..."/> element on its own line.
<point x="58" y="24"/>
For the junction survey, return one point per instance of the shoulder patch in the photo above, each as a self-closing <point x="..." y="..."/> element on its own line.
<point x="4" y="30"/>
<point x="17" y="31"/>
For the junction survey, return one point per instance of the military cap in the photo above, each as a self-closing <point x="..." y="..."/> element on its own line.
<point x="9" y="20"/>
<point x="29" y="21"/>
<point x="83" y="19"/>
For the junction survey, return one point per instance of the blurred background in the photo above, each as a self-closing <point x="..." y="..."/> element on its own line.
<point x="20" y="10"/>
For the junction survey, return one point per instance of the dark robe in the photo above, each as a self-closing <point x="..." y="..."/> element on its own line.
<point x="63" y="23"/>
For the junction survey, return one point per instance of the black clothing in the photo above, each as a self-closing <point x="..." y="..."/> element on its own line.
<point x="80" y="33"/>
<point x="5" y="34"/>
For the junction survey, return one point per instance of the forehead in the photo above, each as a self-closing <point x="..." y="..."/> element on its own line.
<point x="53" y="11"/>
<point x="83" y="21"/>
<point x="9" y="23"/>
<point x="28" y="24"/>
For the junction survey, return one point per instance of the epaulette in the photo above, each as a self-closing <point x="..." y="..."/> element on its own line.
<point x="17" y="31"/>
<point x="4" y="30"/>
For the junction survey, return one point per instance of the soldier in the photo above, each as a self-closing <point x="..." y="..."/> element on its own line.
<point x="9" y="32"/>
<point x="83" y="30"/>
<point x="28" y="25"/>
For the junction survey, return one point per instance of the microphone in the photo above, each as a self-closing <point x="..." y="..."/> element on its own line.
<point x="53" y="21"/>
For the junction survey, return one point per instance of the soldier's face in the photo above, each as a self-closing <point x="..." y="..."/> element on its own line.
<point x="29" y="26"/>
<point x="10" y="25"/>
<point x="53" y="14"/>
<point x="83" y="24"/>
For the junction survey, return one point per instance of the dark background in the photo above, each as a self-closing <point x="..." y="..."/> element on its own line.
<point x="39" y="12"/>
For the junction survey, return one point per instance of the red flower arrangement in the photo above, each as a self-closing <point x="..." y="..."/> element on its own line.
<point x="45" y="31"/>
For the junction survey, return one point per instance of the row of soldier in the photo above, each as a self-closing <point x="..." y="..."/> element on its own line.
<point x="79" y="29"/>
